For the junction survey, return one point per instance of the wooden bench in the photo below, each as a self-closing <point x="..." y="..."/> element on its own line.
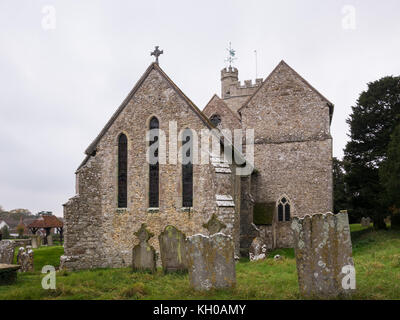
<point x="8" y="273"/>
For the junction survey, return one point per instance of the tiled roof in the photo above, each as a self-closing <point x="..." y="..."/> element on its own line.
<point x="46" y="222"/>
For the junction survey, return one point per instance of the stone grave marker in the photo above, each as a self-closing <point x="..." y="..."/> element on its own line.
<point x="7" y="251"/>
<point x="143" y="254"/>
<point x="25" y="259"/>
<point x="8" y="273"/>
<point x="323" y="253"/>
<point x="173" y="250"/>
<point x="49" y="240"/>
<point x="211" y="261"/>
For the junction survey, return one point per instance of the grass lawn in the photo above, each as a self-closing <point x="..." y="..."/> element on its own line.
<point x="376" y="256"/>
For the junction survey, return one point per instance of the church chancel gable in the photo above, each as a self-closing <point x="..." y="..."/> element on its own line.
<point x="162" y="161"/>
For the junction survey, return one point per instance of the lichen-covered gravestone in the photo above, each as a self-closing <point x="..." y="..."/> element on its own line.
<point x="211" y="261"/>
<point x="7" y="251"/>
<point x="50" y="240"/>
<point x="144" y="255"/>
<point x="258" y="249"/>
<point x="173" y="250"/>
<point x="323" y="252"/>
<point x="25" y="259"/>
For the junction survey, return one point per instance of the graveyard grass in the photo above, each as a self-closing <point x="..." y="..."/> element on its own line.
<point x="376" y="256"/>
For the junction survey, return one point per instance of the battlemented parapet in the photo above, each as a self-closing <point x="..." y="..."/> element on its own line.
<point x="231" y="86"/>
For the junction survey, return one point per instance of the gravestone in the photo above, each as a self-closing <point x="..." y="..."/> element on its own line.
<point x="323" y="251"/>
<point x="7" y="251"/>
<point x="211" y="261"/>
<point x="34" y="242"/>
<point x="25" y="259"/>
<point x="8" y="273"/>
<point x="365" y="222"/>
<point x="172" y="250"/>
<point x="143" y="254"/>
<point x="49" y="240"/>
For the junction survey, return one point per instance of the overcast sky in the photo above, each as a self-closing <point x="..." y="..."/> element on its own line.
<point x="61" y="80"/>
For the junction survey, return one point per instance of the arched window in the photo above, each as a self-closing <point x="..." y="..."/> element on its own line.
<point x="154" y="165"/>
<point x="215" y="120"/>
<point x="187" y="168"/>
<point x="122" y="171"/>
<point x="284" y="209"/>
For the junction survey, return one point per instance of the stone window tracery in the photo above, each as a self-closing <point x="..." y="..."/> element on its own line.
<point x="187" y="168"/>
<point x="283" y="209"/>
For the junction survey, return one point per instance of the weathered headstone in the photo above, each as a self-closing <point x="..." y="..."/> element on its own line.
<point x="143" y="254"/>
<point x="323" y="252"/>
<point x="173" y="250"/>
<point x="34" y="242"/>
<point x="214" y="225"/>
<point x="7" y="251"/>
<point x="8" y="273"/>
<point x="25" y="259"/>
<point x="388" y="220"/>
<point x="211" y="261"/>
<point x="258" y="249"/>
<point x="49" y="240"/>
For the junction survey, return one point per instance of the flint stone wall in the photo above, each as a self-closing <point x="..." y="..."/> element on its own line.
<point x="323" y="247"/>
<point x="97" y="232"/>
<point x="211" y="261"/>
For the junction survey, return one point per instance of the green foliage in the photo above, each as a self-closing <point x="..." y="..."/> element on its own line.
<point x="5" y="233"/>
<point x="389" y="173"/>
<point x="339" y="187"/>
<point x="376" y="256"/>
<point x="263" y="213"/>
<point x="372" y="121"/>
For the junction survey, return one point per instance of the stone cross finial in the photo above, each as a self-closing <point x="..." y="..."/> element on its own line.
<point x="156" y="53"/>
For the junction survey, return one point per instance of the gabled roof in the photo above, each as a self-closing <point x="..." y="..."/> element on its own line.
<point x="223" y="104"/>
<point x="153" y="66"/>
<point x="283" y="63"/>
<point x="46" y="221"/>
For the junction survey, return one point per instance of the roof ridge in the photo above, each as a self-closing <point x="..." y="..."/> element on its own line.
<point x="236" y="115"/>
<point x="283" y="62"/>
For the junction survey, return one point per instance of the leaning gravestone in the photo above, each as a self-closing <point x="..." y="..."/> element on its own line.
<point x="323" y="252"/>
<point x="172" y="250"/>
<point x="211" y="261"/>
<point x="7" y="251"/>
<point x="144" y="255"/>
<point x="25" y="259"/>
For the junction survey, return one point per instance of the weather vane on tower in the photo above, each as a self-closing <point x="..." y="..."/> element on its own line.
<point x="231" y="55"/>
<point x="156" y="53"/>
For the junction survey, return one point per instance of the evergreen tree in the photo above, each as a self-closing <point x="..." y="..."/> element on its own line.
<point x="339" y="188"/>
<point x="373" y="119"/>
<point x="390" y="177"/>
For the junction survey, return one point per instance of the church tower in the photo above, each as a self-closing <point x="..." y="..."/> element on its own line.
<point x="229" y="81"/>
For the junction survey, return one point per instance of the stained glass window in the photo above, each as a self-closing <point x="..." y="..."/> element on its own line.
<point x="154" y="168"/>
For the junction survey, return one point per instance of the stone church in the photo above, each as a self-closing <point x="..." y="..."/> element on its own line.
<point x="118" y="189"/>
